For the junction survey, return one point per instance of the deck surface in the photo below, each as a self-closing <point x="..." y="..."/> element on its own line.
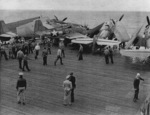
<point x="101" y="89"/>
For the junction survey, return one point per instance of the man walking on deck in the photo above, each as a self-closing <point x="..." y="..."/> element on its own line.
<point x="20" y="57"/>
<point x="59" y="56"/>
<point x="80" y="57"/>
<point x="44" y="54"/>
<point x="21" y="87"/>
<point x="111" y="54"/>
<point x="106" y="54"/>
<point x="25" y="63"/>
<point x="136" y="84"/>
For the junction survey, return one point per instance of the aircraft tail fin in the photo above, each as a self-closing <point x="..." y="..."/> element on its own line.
<point x="3" y="28"/>
<point x="133" y="37"/>
<point x="38" y="26"/>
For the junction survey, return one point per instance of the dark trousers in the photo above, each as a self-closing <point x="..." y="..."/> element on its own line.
<point x="63" y="52"/>
<point x="30" y="50"/>
<point x="111" y="58"/>
<point x="58" y="57"/>
<point x="36" y="54"/>
<point x="136" y="94"/>
<point x="80" y="56"/>
<point x="45" y="60"/>
<point x="106" y="59"/>
<point x="49" y="50"/>
<point x="72" y="95"/>
<point x="5" y="55"/>
<point x="25" y="64"/>
<point x="20" y="63"/>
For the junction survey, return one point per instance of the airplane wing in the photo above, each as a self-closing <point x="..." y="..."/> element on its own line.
<point x="133" y="37"/>
<point x="84" y="41"/>
<point x="107" y="42"/>
<point x="94" y="31"/>
<point x="121" y="33"/>
<point x="75" y="36"/>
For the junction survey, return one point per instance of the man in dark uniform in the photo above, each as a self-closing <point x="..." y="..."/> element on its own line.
<point x="21" y="87"/>
<point x="44" y="54"/>
<point x="73" y="81"/>
<point x="106" y="53"/>
<point x="111" y="54"/>
<point x="136" y="84"/>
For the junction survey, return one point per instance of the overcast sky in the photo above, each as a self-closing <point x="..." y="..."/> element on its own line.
<point x="100" y="5"/>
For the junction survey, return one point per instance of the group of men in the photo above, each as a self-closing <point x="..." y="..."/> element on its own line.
<point x="69" y="85"/>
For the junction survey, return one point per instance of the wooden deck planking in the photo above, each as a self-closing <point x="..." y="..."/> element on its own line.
<point x="101" y="88"/>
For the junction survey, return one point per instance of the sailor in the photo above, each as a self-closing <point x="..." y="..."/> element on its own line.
<point x="59" y="56"/>
<point x="49" y="45"/>
<point x="3" y="52"/>
<point x="44" y="54"/>
<point x="25" y="63"/>
<point x="37" y="48"/>
<point x="111" y="54"/>
<point x="136" y="84"/>
<point x="21" y="87"/>
<point x="20" y="56"/>
<point x="73" y="81"/>
<point x="80" y="57"/>
<point x="62" y="46"/>
<point x="67" y="85"/>
<point x="106" y="53"/>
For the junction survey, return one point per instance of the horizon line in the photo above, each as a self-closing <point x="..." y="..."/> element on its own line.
<point x="73" y="10"/>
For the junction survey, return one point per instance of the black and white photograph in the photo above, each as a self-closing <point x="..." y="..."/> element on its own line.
<point x="74" y="57"/>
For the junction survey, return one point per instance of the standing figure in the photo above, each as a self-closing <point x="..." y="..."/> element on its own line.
<point x="25" y="63"/>
<point x="49" y="46"/>
<point x="21" y="87"/>
<point x="20" y="56"/>
<point x="80" y="57"/>
<point x="67" y="85"/>
<point x="73" y="81"/>
<point x="59" y="56"/>
<point x="44" y="54"/>
<point x="37" y="49"/>
<point x="106" y="54"/>
<point x="136" y="84"/>
<point x="111" y="54"/>
<point x="62" y="47"/>
<point x="3" y="52"/>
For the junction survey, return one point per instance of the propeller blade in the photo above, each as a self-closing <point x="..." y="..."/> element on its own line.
<point x="56" y="17"/>
<point x="148" y="20"/>
<point x="64" y="19"/>
<point x="113" y="21"/>
<point x="121" y="17"/>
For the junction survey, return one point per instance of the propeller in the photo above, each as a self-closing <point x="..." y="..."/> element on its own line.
<point x="64" y="19"/>
<point x="56" y="17"/>
<point x="113" y="21"/>
<point x="148" y="20"/>
<point x="121" y="17"/>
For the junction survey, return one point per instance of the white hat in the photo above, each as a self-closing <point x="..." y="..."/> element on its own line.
<point x="68" y="76"/>
<point x="138" y="75"/>
<point x="20" y="73"/>
<point x="62" y="39"/>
